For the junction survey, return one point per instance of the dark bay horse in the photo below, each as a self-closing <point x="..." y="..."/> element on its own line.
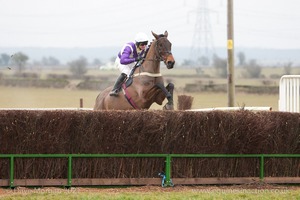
<point x="147" y="82"/>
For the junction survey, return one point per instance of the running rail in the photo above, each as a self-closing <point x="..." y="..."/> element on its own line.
<point x="167" y="181"/>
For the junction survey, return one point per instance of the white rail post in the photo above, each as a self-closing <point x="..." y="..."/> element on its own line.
<point x="289" y="93"/>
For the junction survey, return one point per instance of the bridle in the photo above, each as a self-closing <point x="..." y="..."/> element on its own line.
<point x="161" y="54"/>
<point x="161" y="51"/>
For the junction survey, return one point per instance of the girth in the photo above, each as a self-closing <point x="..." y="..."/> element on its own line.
<point x="128" y="98"/>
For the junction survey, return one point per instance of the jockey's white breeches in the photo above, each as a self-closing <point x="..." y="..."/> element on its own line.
<point x="126" y="69"/>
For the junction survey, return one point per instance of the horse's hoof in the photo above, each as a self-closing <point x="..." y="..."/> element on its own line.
<point x="168" y="107"/>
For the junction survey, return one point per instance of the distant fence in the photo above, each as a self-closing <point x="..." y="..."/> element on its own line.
<point x="289" y="93"/>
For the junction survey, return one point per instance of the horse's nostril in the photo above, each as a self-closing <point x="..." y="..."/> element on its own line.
<point x="170" y="64"/>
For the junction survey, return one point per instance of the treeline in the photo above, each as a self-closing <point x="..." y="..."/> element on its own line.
<point x="251" y="68"/>
<point x="20" y="61"/>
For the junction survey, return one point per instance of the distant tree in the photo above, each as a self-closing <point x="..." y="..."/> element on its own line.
<point x="50" y="61"/>
<point x="242" y="58"/>
<point x="19" y="59"/>
<point x="53" y="61"/>
<point x="287" y="68"/>
<point x="36" y="63"/>
<point x="78" y="67"/>
<point x="97" y="62"/>
<point x="252" y="69"/>
<point x="220" y="65"/>
<point x="187" y="62"/>
<point x="204" y="61"/>
<point x="4" y="60"/>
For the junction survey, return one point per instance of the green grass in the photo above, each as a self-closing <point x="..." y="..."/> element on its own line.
<point x="159" y="194"/>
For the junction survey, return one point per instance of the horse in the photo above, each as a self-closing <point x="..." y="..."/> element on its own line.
<point x="146" y="85"/>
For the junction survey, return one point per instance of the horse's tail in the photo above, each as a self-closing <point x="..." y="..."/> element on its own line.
<point x="99" y="102"/>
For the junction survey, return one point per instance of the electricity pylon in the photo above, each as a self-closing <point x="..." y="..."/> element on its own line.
<point x="202" y="48"/>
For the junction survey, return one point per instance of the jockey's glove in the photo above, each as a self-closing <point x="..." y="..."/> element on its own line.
<point x="137" y="59"/>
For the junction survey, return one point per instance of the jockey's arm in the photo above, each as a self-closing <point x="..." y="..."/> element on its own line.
<point x="125" y="57"/>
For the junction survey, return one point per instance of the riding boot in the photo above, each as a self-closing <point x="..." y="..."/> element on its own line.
<point x="118" y="84"/>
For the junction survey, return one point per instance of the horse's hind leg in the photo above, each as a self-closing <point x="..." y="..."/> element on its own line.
<point x="168" y="91"/>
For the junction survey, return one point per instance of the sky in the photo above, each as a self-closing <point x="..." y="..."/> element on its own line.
<point x="98" y="23"/>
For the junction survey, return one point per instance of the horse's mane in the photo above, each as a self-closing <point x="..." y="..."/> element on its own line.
<point x="147" y="50"/>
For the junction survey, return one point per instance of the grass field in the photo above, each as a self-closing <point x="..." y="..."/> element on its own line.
<point x="15" y="97"/>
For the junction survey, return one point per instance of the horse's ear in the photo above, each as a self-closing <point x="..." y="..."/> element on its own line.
<point x="155" y="35"/>
<point x="166" y="33"/>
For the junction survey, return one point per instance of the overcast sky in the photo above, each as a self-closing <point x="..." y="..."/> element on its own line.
<point x="98" y="23"/>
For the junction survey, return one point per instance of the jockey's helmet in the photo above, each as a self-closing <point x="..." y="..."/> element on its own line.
<point x="141" y="38"/>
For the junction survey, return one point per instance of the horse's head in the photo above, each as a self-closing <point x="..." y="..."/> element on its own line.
<point x="163" y="49"/>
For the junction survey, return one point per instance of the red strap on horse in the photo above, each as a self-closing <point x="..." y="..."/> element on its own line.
<point x="129" y="99"/>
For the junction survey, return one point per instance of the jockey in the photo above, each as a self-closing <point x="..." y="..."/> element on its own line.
<point x="127" y="59"/>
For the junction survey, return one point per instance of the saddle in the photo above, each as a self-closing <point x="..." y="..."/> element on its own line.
<point x="129" y="79"/>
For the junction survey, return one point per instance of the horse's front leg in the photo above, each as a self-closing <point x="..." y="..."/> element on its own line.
<point x="168" y="91"/>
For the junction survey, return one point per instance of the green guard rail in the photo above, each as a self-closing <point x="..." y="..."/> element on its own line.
<point x="168" y="160"/>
